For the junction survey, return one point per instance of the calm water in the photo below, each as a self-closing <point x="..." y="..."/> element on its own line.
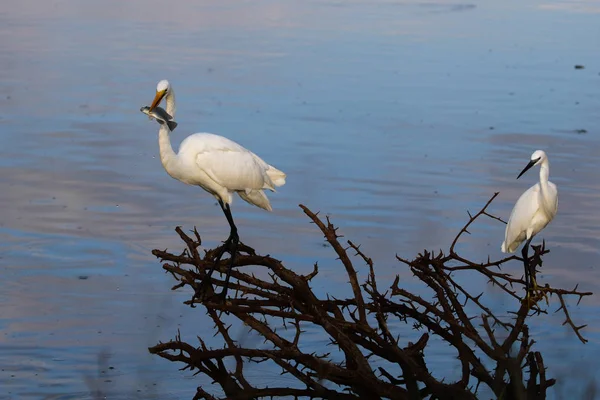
<point x="393" y="117"/>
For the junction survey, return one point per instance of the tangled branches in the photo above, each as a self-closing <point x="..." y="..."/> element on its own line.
<point x="373" y="357"/>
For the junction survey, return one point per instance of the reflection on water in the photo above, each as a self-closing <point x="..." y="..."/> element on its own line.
<point x="393" y="116"/>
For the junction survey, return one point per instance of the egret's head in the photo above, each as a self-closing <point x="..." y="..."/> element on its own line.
<point x="537" y="157"/>
<point x="162" y="89"/>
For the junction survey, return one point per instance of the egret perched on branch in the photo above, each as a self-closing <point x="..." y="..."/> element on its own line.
<point x="533" y="211"/>
<point x="219" y="166"/>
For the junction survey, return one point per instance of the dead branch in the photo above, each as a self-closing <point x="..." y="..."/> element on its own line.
<point x="359" y="326"/>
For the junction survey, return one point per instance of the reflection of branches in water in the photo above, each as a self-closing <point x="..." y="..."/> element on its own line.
<point x="94" y="384"/>
<point x="376" y="362"/>
<point x="104" y="384"/>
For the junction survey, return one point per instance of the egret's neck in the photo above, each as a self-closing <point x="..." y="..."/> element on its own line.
<point x="544" y="174"/>
<point x="545" y="171"/>
<point x="168" y="157"/>
<point x="171" y="107"/>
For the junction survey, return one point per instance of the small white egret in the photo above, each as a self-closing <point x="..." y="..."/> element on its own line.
<point x="532" y="212"/>
<point x="219" y="166"/>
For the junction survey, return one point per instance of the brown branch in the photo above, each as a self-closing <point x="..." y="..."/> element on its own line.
<point x="239" y="363"/>
<point x="568" y="320"/>
<point x="331" y="235"/>
<point x="471" y="220"/>
<point x="281" y="307"/>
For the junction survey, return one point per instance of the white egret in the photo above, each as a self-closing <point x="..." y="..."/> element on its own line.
<point x="219" y="166"/>
<point x="532" y="212"/>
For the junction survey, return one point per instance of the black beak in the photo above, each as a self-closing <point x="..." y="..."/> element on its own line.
<point x="531" y="164"/>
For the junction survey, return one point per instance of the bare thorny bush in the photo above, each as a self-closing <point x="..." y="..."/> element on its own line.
<point x="495" y="353"/>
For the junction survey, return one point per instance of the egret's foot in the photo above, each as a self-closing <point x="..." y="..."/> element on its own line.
<point x="528" y="300"/>
<point x="531" y="298"/>
<point x="205" y="291"/>
<point x="535" y="294"/>
<point x="539" y="290"/>
<point x="216" y="297"/>
<point x="230" y="246"/>
<point x="221" y="297"/>
<point x="234" y="241"/>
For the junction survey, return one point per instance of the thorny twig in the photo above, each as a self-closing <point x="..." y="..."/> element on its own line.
<point x="359" y="326"/>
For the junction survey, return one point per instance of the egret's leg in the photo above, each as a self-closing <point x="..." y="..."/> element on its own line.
<point x="530" y="281"/>
<point x="230" y="245"/>
<point x="526" y="265"/>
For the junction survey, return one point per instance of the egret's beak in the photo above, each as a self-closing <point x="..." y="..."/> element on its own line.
<point x="157" y="99"/>
<point x="531" y="164"/>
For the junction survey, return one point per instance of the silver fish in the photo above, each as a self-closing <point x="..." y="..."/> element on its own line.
<point x="161" y="116"/>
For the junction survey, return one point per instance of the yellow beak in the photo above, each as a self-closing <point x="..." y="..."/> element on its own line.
<point x="157" y="99"/>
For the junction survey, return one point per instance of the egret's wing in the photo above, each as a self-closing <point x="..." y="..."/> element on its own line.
<point x="205" y="142"/>
<point x="226" y="162"/>
<point x="521" y="216"/>
<point x="234" y="170"/>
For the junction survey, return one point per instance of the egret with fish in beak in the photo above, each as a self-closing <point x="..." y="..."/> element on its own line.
<point x="219" y="166"/>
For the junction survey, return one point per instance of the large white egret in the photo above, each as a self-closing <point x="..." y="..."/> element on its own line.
<point x="219" y="166"/>
<point x="532" y="212"/>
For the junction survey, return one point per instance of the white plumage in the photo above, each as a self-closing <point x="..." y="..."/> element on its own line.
<point x="218" y="165"/>
<point x="221" y="167"/>
<point x="534" y="209"/>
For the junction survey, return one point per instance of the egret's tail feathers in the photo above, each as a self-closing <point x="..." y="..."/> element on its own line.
<point x="257" y="198"/>
<point x="276" y="176"/>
